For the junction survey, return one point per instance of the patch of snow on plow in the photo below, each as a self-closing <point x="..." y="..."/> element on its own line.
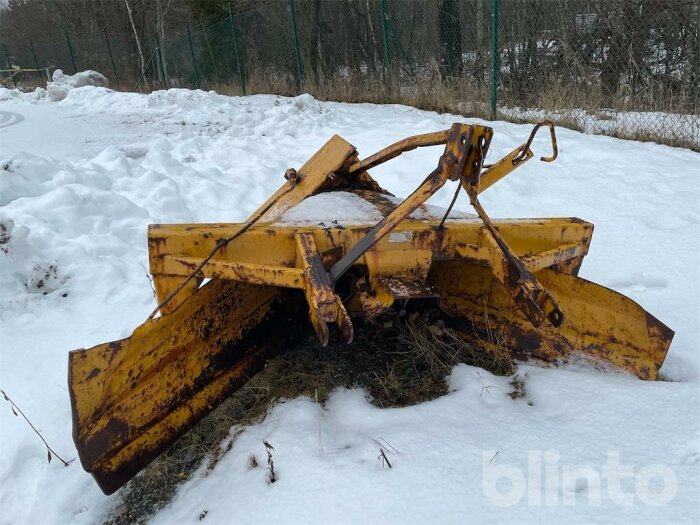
<point x="339" y="208"/>
<point x="344" y="208"/>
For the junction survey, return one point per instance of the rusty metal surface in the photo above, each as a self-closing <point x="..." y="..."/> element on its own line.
<point x="601" y="326"/>
<point x="324" y="305"/>
<point x="408" y="289"/>
<point x="132" y="398"/>
<point x="307" y="180"/>
<point x="384" y="204"/>
<point x="532" y="298"/>
<point x="264" y="251"/>
<point x="525" y="148"/>
<point x="274" y="255"/>
<point x="314" y="174"/>
<point x="270" y="255"/>
<point x="396" y="149"/>
<point x="464" y="152"/>
<point x="282" y="276"/>
<point x="500" y="169"/>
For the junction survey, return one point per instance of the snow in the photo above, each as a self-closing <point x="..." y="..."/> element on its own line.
<point x="343" y="208"/>
<point x="340" y="208"/>
<point x="671" y="126"/>
<point x="62" y="84"/>
<point x="80" y="180"/>
<point x="326" y="457"/>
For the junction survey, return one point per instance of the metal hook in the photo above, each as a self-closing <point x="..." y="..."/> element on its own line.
<point x="526" y="146"/>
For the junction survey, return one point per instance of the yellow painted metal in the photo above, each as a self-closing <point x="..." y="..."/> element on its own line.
<point x="556" y="256"/>
<point x="513" y="279"/>
<point x="324" y="305"/>
<point x="164" y="283"/>
<point x="396" y="149"/>
<point x="281" y="276"/>
<point x="601" y="327"/>
<point x="132" y="398"/>
<point x="272" y="254"/>
<point x="269" y="254"/>
<point x="503" y="167"/>
<point x="312" y="176"/>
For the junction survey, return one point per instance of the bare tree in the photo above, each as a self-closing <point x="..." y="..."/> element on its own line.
<point x="136" y="37"/>
<point x="161" y="12"/>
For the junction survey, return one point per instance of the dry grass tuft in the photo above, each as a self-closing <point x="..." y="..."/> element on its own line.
<point x="569" y="105"/>
<point x="429" y="92"/>
<point x="518" y="387"/>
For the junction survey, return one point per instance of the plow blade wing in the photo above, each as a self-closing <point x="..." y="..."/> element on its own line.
<point x="131" y="399"/>
<point x="600" y="325"/>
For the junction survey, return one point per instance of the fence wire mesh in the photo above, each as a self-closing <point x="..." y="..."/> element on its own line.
<point x="628" y="68"/>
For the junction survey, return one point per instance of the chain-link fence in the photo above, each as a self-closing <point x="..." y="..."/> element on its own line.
<point x="628" y="68"/>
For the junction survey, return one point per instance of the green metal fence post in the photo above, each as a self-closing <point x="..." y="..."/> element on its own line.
<point x="385" y="33"/>
<point x="241" y="76"/>
<point x="194" y="62"/>
<point x="300" y="66"/>
<point x="9" y="64"/>
<point x="111" y="57"/>
<point x="495" y="67"/>
<point x="164" y="82"/>
<point x="36" y="62"/>
<point x="70" y="50"/>
<point x="402" y="53"/>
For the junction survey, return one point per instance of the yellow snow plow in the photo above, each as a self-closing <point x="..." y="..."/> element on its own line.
<point x="231" y="295"/>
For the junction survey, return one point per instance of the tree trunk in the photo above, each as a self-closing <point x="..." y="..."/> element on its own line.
<point x="136" y="36"/>
<point x="375" y="56"/>
<point x="318" y="65"/>
<point x="480" y="22"/>
<point x="160" y="28"/>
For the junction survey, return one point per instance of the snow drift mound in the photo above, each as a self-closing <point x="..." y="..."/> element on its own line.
<point x="21" y="264"/>
<point x="9" y="94"/>
<point x="62" y="84"/>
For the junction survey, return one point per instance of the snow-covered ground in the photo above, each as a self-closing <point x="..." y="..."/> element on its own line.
<point x="81" y="179"/>
<point x="676" y="127"/>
